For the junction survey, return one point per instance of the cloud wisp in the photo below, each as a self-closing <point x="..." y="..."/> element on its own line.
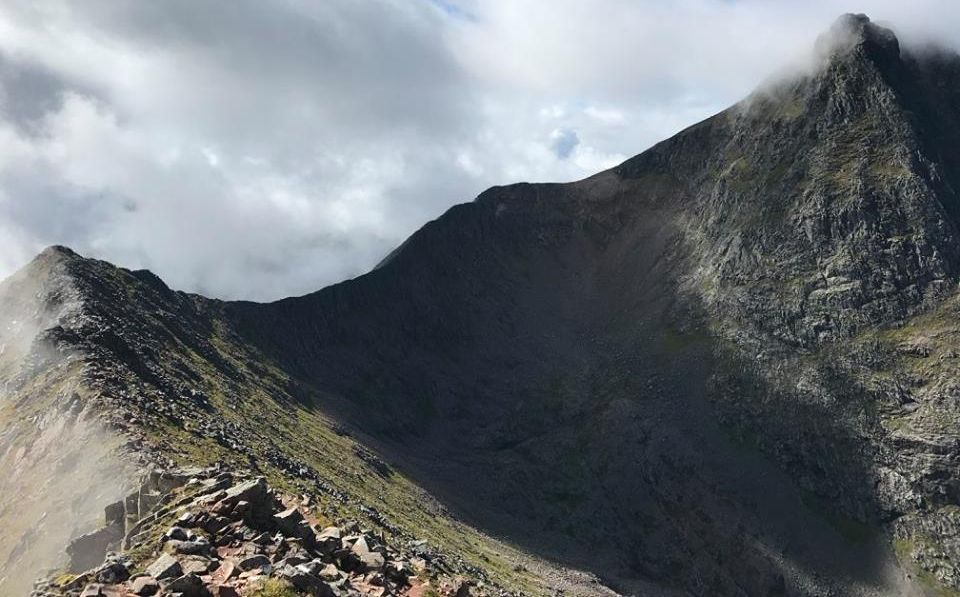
<point x="257" y="150"/>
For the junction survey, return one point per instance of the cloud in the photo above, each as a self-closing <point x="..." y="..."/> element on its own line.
<point x="255" y="150"/>
<point x="563" y="142"/>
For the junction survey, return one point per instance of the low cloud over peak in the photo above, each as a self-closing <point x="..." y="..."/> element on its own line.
<point x="256" y="150"/>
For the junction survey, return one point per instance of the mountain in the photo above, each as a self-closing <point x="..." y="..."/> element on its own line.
<point x="724" y="367"/>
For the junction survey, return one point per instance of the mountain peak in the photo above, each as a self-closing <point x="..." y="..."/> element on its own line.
<point x="856" y="32"/>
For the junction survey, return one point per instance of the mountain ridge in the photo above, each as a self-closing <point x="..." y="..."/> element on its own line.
<point x="737" y="341"/>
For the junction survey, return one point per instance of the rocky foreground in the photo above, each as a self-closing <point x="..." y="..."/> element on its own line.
<point x="217" y="533"/>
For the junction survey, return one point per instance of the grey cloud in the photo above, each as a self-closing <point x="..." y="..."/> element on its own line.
<point x="257" y="149"/>
<point x="564" y="142"/>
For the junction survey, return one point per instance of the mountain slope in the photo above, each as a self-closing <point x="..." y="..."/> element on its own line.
<point x="722" y="367"/>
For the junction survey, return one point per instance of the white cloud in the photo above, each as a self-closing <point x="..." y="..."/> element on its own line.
<point x="254" y="150"/>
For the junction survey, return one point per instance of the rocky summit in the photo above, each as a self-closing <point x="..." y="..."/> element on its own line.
<point x="727" y="366"/>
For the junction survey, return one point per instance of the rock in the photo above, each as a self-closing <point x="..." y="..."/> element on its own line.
<point x="313" y="568"/>
<point x="398" y="572"/>
<point x="225" y="572"/>
<point x="115" y="514"/>
<point x="330" y="573"/>
<point x="112" y="573"/>
<point x="198" y="565"/>
<point x="200" y="545"/>
<point x="288" y="521"/>
<point x="347" y="560"/>
<point x="305" y="582"/>
<point x="187" y="520"/>
<point x="256" y="562"/>
<point x="253" y="492"/>
<point x="370" y="560"/>
<point x="330" y="532"/>
<point x="88" y="551"/>
<point x="190" y="585"/>
<point x="101" y="590"/>
<point x="219" y="590"/>
<point x="328" y="540"/>
<point x="166" y="566"/>
<point x="293" y="560"/>
<point x="178" y="534"/>
<point x="144" y="586"/>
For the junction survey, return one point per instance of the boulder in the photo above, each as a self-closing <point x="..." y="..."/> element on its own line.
<point x="225" y="572"/>
<point x="289" y="521"/>
<point x="178" y="534"/>
<point x="329" y="573"/>
<point x="200" y="545"/>
<point x="198" y="565"/>
<point x="370" y="560"/>
<point x="88" y="551"/>
<point x="189" y="585"/>
<point x="115" y="513"/>
<point x="166" y="566"/>
<point x="112" y="573"/>
<point x="306" y="583"/>
<point x="144" y="586"/>
<point x="101" y="590"/>
<point x="328" y="541"/>
<point x="220" y="590"/>
<point x="255" y="562"/>
<point x="253" y="492"/>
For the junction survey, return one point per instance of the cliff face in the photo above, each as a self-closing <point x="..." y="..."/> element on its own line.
<point x="725" y="366"/>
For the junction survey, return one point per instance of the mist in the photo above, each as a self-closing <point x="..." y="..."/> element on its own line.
<point x="59" y="463"/>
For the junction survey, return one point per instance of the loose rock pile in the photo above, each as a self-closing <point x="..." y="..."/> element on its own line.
<point x="219" y="534"/>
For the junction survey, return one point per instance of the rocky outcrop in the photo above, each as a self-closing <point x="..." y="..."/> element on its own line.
<point x="214" y="533"/>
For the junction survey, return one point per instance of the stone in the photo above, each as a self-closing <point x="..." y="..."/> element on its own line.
<point x="198" y="565"/>
<point x="313" y="568"/>
<point x="328" y="541"/>
<point x="187" y="520"/>
<point x="112" y="573"/>
<point x="256" y="562"/>
<point x="178" y="534"/>
<point x="289" y="521"/>
<point x="200" y="545"/>
<point x="190" y="585"/>
<point x="219" y="590"/>
<point x="398" y="572"/>
<point x="225" y="571"/>
<point x="370" y="559"/>
<point x="88" y="551"/>
<point x="293" y="560"/>
<point x="144" y="586"/>
<point x="306" y="583"/>
<point x="115" y="513"/>
<point x="254" y="491"/>
<point x="330" y="573"/>
<point x="166" y="566"/>
<point x="101" y="590"/>
<point x="329" y="532"/>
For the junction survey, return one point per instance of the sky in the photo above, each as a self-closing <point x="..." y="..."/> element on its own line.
<point x="255" y="149"/>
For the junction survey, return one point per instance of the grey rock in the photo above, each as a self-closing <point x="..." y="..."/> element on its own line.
<point x="255" y="562"/>
<point x="144" y="586"/>
<point x="164" y="567"/>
